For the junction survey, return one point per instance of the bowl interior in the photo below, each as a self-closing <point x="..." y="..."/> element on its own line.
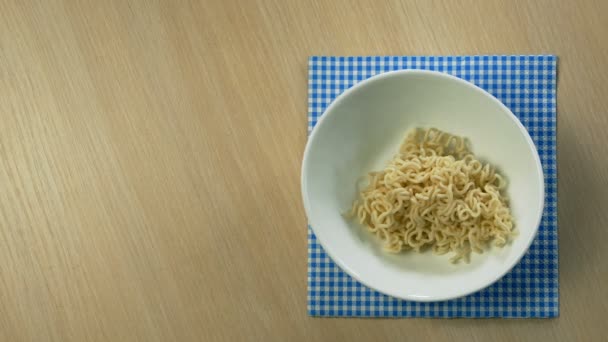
<point x="363" y="129"/>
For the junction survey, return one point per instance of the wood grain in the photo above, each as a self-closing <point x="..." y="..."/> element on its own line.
<point x="150" y="155"/>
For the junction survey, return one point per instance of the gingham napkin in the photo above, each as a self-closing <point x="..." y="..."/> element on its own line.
<point x="525" y="84"/>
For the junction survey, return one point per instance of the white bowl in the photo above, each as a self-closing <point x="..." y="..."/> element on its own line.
<point x="363" y="128"/>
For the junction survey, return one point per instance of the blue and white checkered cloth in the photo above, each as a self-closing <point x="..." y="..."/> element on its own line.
<point x="525" y="84"/>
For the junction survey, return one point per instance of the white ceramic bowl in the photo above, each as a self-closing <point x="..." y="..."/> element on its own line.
<point x="363" y="128"/>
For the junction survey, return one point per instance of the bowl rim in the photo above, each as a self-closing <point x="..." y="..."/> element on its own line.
<point x="505" y="110"/>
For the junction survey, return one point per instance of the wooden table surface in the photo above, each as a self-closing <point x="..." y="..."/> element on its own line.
<point x="150" y="160"/>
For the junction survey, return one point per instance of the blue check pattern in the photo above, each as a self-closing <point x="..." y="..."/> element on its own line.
<point x="525" y="84"/>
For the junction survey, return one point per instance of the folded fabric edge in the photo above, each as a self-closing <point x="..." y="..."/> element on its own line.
<point x="312" y="57"/>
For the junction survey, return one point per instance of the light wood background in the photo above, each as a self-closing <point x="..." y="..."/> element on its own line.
<point x="150" y="161"/>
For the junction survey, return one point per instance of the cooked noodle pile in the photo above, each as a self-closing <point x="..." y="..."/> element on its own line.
<point x="435" y="193"/>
